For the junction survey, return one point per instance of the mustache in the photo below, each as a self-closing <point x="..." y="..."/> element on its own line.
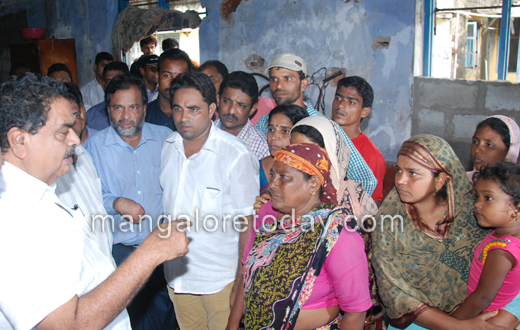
<point x="70" y="152"/>
<point x="232" y="116"/>
<point x="125" y="121"/>
<point x="185" y="123"/>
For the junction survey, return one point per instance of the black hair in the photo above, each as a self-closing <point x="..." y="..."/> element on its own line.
<point x="123" y="82"/>
<point x="25" y="102"/>
<point x="362" y="86"/>
<point x="294" y="112"/>
<point x="74" y="94"/>
<point x="219" y="66"/>
<point x="58" y="67"/>
<point x="103" y="56"/>
<point x="148" y="40"/>
<point x="14" y="68"/>
<point x="506" y="175"/>
<point x="243" y="81"/>
<point x="197" y="80"/>
<point x="312" y="133"/>
<point x="116" y="66"/>
<point x="169" y="43"/>
<point x="300" y="73"/>
<point x="175" y="55"/>
<point x="498" y="126"/>
<point x="442" y="194"/>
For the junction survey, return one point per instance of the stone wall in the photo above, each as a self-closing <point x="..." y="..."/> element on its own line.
<point x="452" y="109"/>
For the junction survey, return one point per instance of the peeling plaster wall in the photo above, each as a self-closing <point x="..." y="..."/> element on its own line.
<point x="90" y="22"/>
<point x="328" y="34"/>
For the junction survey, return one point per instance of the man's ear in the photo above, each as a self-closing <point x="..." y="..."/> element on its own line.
<point x="218" y="98"/>
<point x="304" y="84"/>
<point x="253" y="110"/>
<point x="212" y="108"/>
<point x="365" y="112"/>
<point x="144" y="110"/>
<point x="141" y="71"/>
<point x="17" y="142"/>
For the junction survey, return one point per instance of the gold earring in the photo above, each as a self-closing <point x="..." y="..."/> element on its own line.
<point x="313" y="193"/>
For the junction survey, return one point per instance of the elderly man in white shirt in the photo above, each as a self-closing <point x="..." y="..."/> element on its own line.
<point x="210" y="177"/>
<point x="42" y="240"/>
<point x="94" y="92"/>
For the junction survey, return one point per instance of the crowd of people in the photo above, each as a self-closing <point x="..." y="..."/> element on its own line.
<point x="174" y="196"/>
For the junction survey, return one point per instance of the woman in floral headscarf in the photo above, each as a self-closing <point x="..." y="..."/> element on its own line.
<point x="423" y="249"/>
<point x="290" y="257"/>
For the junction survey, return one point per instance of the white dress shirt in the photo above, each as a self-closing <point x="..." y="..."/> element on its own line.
<point x="215" y="184"/>
<point x="81" y="188"/>
<point x="93" y="94"/>
<point x="46" y="257"/>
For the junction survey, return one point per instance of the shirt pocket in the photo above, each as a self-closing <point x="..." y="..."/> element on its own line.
<point x="209" y="203"/>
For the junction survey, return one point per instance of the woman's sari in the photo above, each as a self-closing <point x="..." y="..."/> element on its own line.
<point x="287" y="256"/>
<point x="418" y="267"/>
<point x="283" y="264"/>
<point x="351" y="195"/>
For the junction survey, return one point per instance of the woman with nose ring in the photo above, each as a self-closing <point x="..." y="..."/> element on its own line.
<point x="422" y="257"/>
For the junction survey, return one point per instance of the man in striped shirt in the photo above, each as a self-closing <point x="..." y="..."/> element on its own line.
<point x="287" y="81"/>
<point x="237" y="99"/>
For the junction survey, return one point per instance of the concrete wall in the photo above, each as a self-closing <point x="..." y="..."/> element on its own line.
<point x="452" y="109"/>
<point x="90" y="22"/>
<point x="327" y="34"/>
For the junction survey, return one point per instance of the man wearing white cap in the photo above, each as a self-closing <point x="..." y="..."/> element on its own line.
<point x="287" y="81"/>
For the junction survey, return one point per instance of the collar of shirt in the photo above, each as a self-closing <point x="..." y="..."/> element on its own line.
<point x="114" y="138"/>
<point x="80" y="150"/>
<point x="243" y="131"/>
<point x="211" y="143"/>
<point x="32" y="188"/>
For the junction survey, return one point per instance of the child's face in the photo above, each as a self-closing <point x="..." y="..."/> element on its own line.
<point x="487" y="148"/>
<point x="493" y="207"/>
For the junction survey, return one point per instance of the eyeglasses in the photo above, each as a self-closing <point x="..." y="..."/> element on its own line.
<point x="152" y="68"/>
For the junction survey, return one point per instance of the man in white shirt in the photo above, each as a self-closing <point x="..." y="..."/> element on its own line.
<point x="94" y="92"/>
<point x="80" y="188"/>
<point x="77" y="287"/>
<point x="210" y="177"/>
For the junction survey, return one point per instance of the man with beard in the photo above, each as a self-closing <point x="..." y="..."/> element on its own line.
<point x="127" y="156"/>
<point x="287" y="81"/>
<point x="171" y="64"/>
<point x="238" y="97"/>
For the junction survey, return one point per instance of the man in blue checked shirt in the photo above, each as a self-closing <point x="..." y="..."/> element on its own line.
<point x="287" y="81"/>
<point x="127" y="156"/>
<point x="237" y="99"/>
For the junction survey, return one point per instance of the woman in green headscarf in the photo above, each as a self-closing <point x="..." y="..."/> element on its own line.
<point x="422" y="262"/>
